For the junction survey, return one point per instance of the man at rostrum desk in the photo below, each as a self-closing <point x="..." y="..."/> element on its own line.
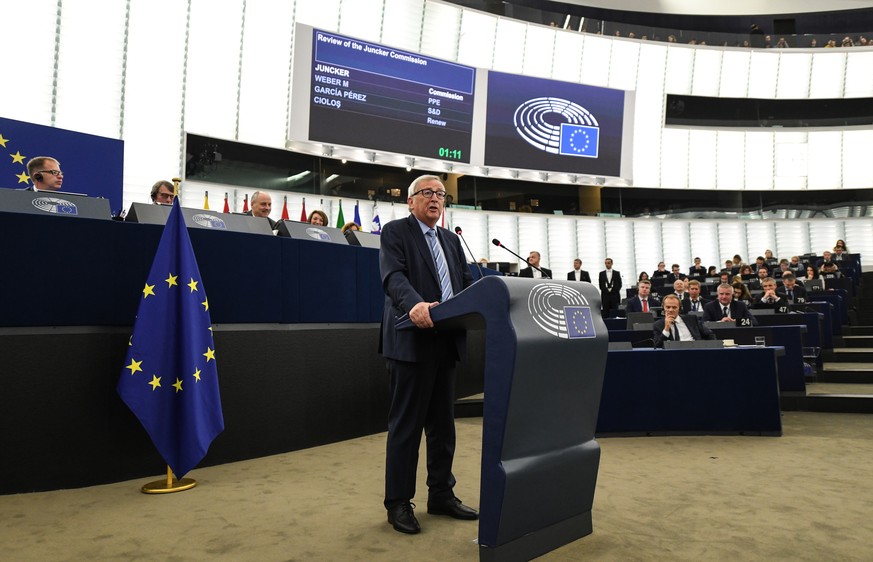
<point x="421" y="265"/>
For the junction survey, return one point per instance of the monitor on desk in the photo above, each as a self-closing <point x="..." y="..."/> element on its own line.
<point x="814" y="285"/>
<point x="58" y="203"/>
<point x="634" y="318"/>
<point x="307" y="231"/>
<point x="148" y="213"/>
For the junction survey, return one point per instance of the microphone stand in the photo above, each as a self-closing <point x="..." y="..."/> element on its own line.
<point x="497" y="243"/>
<point x="460" y="234"/>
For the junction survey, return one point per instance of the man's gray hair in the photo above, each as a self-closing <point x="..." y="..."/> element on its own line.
<point x="413" y="187"/>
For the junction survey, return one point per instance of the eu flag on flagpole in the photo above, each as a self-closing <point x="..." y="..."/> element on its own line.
<point x="169" y="380"/>
<point x="357" y="215"/>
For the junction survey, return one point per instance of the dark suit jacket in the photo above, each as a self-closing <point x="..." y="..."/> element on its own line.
<point x="636" y="305"/>
<point x="712" y="311"/>
<point x="616" y="282"/>
<point x="528" y="272"/>
<point x="799" y="293"/>
<point x="409" y="277"/>
<point x="571" y="276"/>
<point x="686" y="304"/>
<point x="700" y="270"/>
<point x="699" y="331"/>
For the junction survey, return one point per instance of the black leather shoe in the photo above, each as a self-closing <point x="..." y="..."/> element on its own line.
<point x="453" y="508"/>
<point x="403" y="519"/>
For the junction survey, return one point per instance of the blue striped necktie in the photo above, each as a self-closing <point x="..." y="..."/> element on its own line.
<point x="441" y="266"/>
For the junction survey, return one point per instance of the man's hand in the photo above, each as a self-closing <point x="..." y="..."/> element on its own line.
<point x="420" y="314"/>
<point x="727" y="319"/>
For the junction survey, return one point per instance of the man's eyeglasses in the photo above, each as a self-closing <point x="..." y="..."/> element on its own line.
<point x="428" y="193"/>
<point x="52" y="172"/>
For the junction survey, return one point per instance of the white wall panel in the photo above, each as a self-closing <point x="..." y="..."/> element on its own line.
<point x="857" y="166"/>
<point x="510" y="45"/>
<point x="323" y="14"/>
<point x="707" y="72"/>
<point x="649" y="115"/>
<point x="675" y="237"/>
<point x="30" y="99"/>
<point x="90" y="61"/>
<point x="760" y="236"/>
<point x="703" y="238"/>
<point x="648" y="247"/>
<point x="730" y="160"/>
<point x="823" y="234"/>
<point x="825" y="155"/>
<point x="827" y="74"/>
<point x="794" y="74"/>
<point x="620" y="247"/>
<point x="734" y="81"/>
<point x="475" y="231"/>
<point x="859" y="238"/>
<point x="539" y="50"/>
<point x="763" y="70"/>
<point x="596" y="60"/>
<point x="401" y="23"/>
<point x="357" y="18"/>
<point x="153" y="115"/>
<point x="792" y="238"/>
<point x="680" y="68"/>
<point x="562" y="245"/>
<point x="504" y="227"/>
<point x="759" y="160"/>
<point x="623" y="64"/>
<point x="701" y="156"/>
<point x="264" y="90"/>
<point x="675" y="158"/>
<point x="532" y="236"/>
<point x="476" y="43"/>
<point x="212" y="82"/>
<point x="442" y="27"/>
<point x="568" y="56"/>
<point x="732" y="240"/>
<point x="591" y="245"/>
<point x="859" y="74"/>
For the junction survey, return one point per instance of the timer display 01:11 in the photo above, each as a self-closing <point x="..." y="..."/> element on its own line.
<point x="450" y="153"/>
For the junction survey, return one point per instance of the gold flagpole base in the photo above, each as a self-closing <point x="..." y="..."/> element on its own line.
<point x="165" y="486"/>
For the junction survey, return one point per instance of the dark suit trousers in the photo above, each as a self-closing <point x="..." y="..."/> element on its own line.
<point x="422" y="398"/>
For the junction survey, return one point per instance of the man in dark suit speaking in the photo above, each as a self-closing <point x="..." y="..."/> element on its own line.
<point x="421" y="265"/>
<point x="676" y="327"/>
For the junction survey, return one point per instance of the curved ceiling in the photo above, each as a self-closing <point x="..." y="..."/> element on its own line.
<point x="724" y="7"/>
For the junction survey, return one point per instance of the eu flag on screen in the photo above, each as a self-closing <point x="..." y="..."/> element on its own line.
<point x="169" y="380"/>
<point x="579" y="322"/>
<point x="579" y="140"/>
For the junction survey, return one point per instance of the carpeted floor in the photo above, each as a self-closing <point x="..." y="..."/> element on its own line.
<point x="804" y="496"/>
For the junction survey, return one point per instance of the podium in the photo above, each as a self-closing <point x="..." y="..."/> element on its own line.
<point x="545" y="358"/>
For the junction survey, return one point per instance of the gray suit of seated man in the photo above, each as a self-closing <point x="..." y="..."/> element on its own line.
<point x="676" y="327"/>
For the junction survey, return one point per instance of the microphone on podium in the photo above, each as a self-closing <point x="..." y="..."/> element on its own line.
<point x="496" y="242"/>
<point x="460" y="234"/>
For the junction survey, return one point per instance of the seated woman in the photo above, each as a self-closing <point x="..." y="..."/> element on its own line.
<point x="350" y="226"/>
<point x="811" y="274"/>
<point x="745" y="269"/>
<point x="318" y="218"/>
<point x="643" y="276"/>
<point x="741" y="293"/>
<point x="842" y="244"/>
<point x="712" y="272"/>
<point x="661" y="271"/>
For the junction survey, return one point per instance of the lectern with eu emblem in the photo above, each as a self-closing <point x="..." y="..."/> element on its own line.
<point x="545" y="357"/>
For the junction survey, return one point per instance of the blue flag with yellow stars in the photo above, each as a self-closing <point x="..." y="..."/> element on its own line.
<point x="169" y="380"/>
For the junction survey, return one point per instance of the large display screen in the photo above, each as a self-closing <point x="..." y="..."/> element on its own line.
<point x="371" y="96"/>
<point x="541" y="124"/>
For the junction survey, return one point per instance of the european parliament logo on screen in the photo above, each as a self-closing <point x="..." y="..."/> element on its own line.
<point x="558" y="126"/>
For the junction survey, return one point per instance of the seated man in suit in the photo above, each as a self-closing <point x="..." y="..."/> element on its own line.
<point x="535" y="271"/>
<point x="643" y="302"/>
<point x="697" y="268"/>
<point x="674" y="327"/>
<point x="694" y="302"/>
<point x="675" y="274"/>
<point x="661" y="271"/>
<point x="679" y="289"/>
<point x="262" y="205"/>
<point x="726" y="309"/>
<point x="792" y="292"/>
<point x="578" y="274"/>
<point x="163" y="193"/>
<point x="769" y="298"/>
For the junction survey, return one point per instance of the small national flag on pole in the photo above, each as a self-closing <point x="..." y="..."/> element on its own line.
<point x="206" y="200"/>
<point x="357" y="215"/>
<point x="169" y="380"/>
<point x="340" y="220"/>
<point x="303" y="217"/>
<point x="376" y="226"/>
<point x="285" y="208"/>
<point x="246" y="204"/>
<point x="226" y="205"/>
